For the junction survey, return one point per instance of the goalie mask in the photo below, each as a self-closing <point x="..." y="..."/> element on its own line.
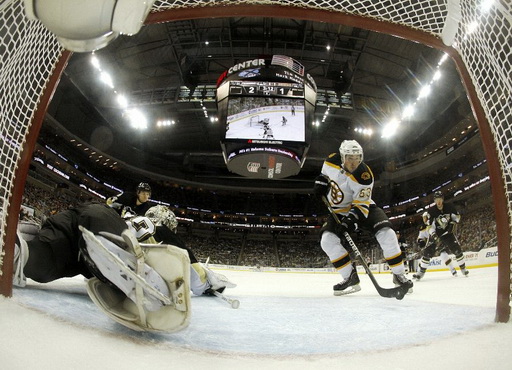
<point x="161" y="215"/>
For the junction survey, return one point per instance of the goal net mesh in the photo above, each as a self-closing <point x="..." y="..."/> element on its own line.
<point x="29" y="53"/>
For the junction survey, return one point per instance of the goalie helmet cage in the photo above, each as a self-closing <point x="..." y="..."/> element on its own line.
<point x="31" y="62"/>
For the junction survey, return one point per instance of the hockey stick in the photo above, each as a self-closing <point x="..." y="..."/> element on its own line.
<point x="397" y="292"/>
<point x="235" y="303"/>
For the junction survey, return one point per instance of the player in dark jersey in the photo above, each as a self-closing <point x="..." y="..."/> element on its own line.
<point x="444" y="218"/>
<point x="136" y="203"/>
<point x="428" y="240"/>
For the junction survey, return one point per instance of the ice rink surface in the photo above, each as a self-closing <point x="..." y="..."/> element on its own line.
<point x="285" y="321"/>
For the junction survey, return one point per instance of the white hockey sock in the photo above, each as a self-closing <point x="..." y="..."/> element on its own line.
<point x="389" y="243"/>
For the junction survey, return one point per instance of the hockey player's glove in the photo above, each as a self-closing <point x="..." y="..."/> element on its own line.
<point x="348" y="224"/>
<point x="321" y="187"/>
<point x="422" y="243"/>
<point x="450" y="228"/>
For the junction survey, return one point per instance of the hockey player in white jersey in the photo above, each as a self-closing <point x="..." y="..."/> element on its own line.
<point x="429" y="242"/>
<point x="347" y="183"/>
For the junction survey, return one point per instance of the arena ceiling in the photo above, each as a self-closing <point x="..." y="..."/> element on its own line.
<point x="169" y="71"/>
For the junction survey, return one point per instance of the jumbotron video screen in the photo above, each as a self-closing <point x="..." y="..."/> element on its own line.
<point x="267" y="118"/>
<point x="267" y="106"/>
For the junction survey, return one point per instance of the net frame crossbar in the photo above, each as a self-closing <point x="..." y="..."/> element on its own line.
<point x="32" y="61"/>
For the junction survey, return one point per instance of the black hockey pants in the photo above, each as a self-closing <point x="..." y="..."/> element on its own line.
<point x="54" y="253"/>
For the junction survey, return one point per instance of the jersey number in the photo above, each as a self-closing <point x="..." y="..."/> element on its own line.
<point x="365" y="193"/>
<point x="142" y="227"/>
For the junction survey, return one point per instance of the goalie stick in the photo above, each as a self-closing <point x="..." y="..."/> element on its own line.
<point x="235" y="303"/>
<point x="397" y="292"/>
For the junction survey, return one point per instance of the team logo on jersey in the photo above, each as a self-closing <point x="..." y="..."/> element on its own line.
<point x="442" y="221"/>
<point x="365" y="176"/>
<point x="336" y="193"/>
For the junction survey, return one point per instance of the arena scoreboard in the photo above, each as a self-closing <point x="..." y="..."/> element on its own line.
<point x="267" y="107"/>
<point x="266" y="88"/>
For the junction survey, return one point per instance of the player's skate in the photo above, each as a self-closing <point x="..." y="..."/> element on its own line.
<point x="401" y="280"/>
<point x="464" y="272"/>
<point x="419" y="275"/>
<point x="20" y="260"/>
<point x="348" y="286"/>
<point x="453" y="271"/>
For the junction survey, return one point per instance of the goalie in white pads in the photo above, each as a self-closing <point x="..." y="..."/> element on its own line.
<point x="202" y="279"/>
<point x="144" y="286"/>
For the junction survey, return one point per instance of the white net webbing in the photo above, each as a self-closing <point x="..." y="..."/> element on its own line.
<point x="28" y="53"/>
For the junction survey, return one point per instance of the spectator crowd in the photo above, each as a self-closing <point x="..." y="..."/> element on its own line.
<point x="254" y="247"/>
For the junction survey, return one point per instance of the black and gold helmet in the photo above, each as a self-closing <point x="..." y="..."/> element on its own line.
<point x="143" y="186"/>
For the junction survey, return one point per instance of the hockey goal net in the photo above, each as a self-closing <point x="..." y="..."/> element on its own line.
<point x="31" y="61"/>
<point x="254" y="120"/>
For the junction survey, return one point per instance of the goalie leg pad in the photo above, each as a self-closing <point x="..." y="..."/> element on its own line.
<point x="166" y="285"/>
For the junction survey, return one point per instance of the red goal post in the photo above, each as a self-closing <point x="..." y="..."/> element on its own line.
<point x="31" y="62"/>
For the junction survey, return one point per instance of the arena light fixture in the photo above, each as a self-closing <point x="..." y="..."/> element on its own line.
<point x="424" y="92"/>
<point x="390" y="128"/>
<point x="137" y="119"/>
<point x="408" y="111"/>
<point x="106" y="78"/>
<point x="122" y="101"/>
<point x="84" y="26"/>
